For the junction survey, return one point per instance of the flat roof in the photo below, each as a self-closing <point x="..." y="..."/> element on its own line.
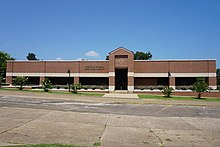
<point x="108" y="60"/>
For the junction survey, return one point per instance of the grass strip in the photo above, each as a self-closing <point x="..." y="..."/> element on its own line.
<point x="147" y="96"/>
<point x="56" y="92"/>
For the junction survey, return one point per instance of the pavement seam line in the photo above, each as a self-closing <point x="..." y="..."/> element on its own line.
<point x="105" y="125"/>
<point x="163" y="109"/>
<point x="7" y="131"/>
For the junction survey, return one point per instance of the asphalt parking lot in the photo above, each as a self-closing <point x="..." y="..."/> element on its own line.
<point x="32" y="120"/>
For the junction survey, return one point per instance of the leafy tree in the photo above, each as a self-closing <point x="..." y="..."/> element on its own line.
<point x="3" y="58"/>
<point x="31" y="56"/>
<point x="20" y="80"/>
<point x="218" y="76"/>
<point x="200" y="86"/>
<point x="142" y="56"/>
<point x="46" y="84"/>
<point x="167" y="91"/>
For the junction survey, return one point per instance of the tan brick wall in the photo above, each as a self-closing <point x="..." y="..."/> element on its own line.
<point x="94" y="67"/>
<point x="61" y="67"/>
<point x="9" y="66"/>
<point x="29" y="67"/>
<point x="151" y="67"/>
<point x="186" y="66"/>
<point x="189" y="66"/>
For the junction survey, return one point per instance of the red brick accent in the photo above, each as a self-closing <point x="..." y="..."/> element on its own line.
<point x="172" y="81"/>
<point x="130" y="81"/>
<point x="111" y="81"/>
<point x="9" y="79"/>
<point x="76" y="80"/>
<point x="212" y="81"/>
<point x="41" y="79"/>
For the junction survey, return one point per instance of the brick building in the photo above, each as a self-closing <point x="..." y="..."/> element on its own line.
<point x="120" y="72"/>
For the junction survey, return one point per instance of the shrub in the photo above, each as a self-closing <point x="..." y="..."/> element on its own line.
<point x="167" y="91"/>
<point x="93" y="88"/>
<point x="102" y="88"/>
<point x="85" y="87"/>
<point x="75" y="87"/>
<point x="151" y="88"/>
<point x="141" y="88"/>
<point x="20" y="80"/>
<point x="58" y="87"/>
<point x="191" y="87"/>
<point x="46" y="84"/>
<point x="183" y="88"/>
<point x="200" y="86"/>
<point x="160" y="87"/>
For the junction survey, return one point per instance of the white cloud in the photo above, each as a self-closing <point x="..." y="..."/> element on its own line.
<point x="59" y="58"/>
<point x="92" y="54"/>
<point x="81" y="59"/>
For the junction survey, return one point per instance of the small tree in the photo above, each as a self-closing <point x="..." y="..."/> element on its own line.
<point x="200" y="86"/>
<point x="75" y="87"/>
<point x="46" y="84"/>
<point x="167" y="91"/>
<point x="20" y="80"/>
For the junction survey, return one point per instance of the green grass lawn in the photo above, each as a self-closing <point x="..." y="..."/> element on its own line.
<point x="56" y="92"/>
<point x="46" y="145"/>
<point x="146" y="96"/>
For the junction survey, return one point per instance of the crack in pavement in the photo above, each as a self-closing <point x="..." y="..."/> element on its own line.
<point x="161" y="142"/>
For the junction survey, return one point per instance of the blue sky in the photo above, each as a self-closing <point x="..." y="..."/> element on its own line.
<point x="68" y="29"/>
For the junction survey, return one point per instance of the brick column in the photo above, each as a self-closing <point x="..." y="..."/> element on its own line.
<point x="41" y="79"/>
<point x="111" y="83"/>
<point x="9" y="79"/>
<point x="131" y="84"/>
<point x="76" y="80"/>
<point x="212" y="82"/>
<point x="172" y="82"/>
<point x="131" y="81"/>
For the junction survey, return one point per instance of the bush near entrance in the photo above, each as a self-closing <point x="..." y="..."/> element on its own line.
<point x="46" y="84"/>
<point x="167" y="91"/>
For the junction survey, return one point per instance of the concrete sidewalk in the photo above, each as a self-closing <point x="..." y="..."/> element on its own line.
<point x="121" y="95"/>
<point x="36" y="126"/>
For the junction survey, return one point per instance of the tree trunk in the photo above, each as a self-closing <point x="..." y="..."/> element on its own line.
<point x="199" y="95"/>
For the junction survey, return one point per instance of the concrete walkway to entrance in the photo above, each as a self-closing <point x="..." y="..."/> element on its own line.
<point x="121" y="95"/>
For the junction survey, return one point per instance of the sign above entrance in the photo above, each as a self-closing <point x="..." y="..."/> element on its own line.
<point x="94" y="68"/>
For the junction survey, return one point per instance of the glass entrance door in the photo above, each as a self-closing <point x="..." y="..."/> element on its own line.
<point x="121" y="79"/>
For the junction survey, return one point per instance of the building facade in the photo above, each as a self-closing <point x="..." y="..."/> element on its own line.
<point x="120" y="72"/>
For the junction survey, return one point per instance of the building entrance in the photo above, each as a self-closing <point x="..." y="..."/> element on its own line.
<point x="121" y="79"/>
